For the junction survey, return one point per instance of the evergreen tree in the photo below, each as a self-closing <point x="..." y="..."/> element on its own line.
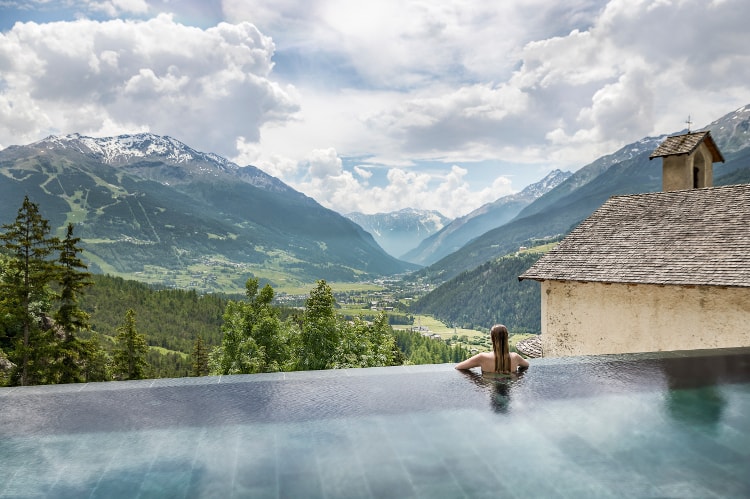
<point x="25" y="295"/>
<point x="94" y="361"/>
<point x="72" y="280"/>
<point x="320" y="335"/>
<point x="129" y="360"/>
<point x="6" y="368"/>
<point x="200" y="358"/>
<point x="385" y="351"/>
<point x="366" y="344"/>
<point x="254" y="340"/>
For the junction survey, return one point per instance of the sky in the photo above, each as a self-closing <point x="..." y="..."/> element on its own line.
<point x="381" y="105"/>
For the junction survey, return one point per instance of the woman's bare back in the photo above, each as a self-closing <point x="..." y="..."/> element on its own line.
<point x="486" y="360"/>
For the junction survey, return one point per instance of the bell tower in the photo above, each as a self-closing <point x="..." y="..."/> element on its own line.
<point x="687" y="160"/>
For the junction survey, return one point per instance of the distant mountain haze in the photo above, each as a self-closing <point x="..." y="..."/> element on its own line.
<point x="400" y="231"/>
<point x="489" y="216"/>
<point x="150" y="204"/>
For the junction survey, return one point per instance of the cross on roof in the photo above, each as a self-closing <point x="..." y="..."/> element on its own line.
<point x="689" y="123"/>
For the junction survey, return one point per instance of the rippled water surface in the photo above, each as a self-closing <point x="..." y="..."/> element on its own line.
<point x="667" y="425"/>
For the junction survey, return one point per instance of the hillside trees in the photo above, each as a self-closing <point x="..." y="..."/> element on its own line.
<point x="41" y="343"/>
<point x="487" y="295"/>
<point x="422" y="350"/>
<point x="256" y="340"/>
<point x="174" y="317"/>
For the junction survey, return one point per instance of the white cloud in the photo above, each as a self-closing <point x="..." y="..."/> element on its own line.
<point x="467" y="81"/>
<point x="362" y="173"/>
<point x="397" y="43"/>
<point x="425" y="91"/>
<point x="339" y="189"/>
<point x="205" y="87"/>
<point x="114" y="7"/>
<point x="324" y="164"/>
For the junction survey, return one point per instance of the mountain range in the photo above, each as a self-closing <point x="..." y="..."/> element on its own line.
<point x="150" y="207"/>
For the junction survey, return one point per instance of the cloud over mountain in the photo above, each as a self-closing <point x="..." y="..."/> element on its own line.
<point x="209" y="87"/>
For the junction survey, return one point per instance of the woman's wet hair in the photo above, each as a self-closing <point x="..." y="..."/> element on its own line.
<point x="499" y="336"/>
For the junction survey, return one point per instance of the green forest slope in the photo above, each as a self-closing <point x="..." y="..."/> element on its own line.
<point x="489" y="294"/>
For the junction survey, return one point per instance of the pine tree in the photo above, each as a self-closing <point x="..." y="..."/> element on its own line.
<point x="129" y="360"/>
<point x="72" y="280"/>
<point x="200" y="358"/>
<point x="94" y="363"/>
<point x="25" y="298"/>
<point x="320" y="334"/>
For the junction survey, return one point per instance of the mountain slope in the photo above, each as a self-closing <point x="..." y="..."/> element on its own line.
<point x="152" y="208"/>
<point x="463" y="229"/>
<point x="488" y="294"/>
<point x="626" y="171"/>
<point x="399" y="231"/>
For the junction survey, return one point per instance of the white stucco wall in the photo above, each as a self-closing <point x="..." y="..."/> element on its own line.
<point x="595" y="318"/>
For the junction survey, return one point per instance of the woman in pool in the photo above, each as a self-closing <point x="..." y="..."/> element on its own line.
<point x="501" y="359"/>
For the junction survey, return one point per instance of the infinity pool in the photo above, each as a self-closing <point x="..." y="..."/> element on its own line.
<point x="669" y="425"/>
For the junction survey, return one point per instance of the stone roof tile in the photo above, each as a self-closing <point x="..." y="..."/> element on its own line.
<point x="692" y="237"/>
<point x="686" y="144"/>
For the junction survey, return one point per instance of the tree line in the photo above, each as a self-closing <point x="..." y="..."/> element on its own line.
<point x="61" y="324"/>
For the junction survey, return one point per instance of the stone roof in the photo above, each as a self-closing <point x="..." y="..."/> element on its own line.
<point x="695" y="237"/>
<point x="530" y="347"/>
<point x="686" y="144"/>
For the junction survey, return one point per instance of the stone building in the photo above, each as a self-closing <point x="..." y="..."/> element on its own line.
<point x="657" y="271"/>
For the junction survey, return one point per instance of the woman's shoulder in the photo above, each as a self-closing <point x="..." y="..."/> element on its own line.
<point x="519" y="359"/>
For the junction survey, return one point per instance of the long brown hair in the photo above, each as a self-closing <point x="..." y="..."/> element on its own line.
<point x="499" y="335"/>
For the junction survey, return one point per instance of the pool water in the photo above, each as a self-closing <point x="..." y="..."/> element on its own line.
<point x="643" y="425"/>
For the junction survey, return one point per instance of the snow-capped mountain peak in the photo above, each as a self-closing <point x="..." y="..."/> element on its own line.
<point x="552" y="180"/>
<point x="124" y="149"/>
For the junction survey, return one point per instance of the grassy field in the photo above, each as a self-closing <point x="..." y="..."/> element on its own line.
<point x="542" y="248"/>
<point x="165" y="351"/>
<point x="216" y="275"/>
<point x="476" y="340"/>
<point x="337" y="287"/>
